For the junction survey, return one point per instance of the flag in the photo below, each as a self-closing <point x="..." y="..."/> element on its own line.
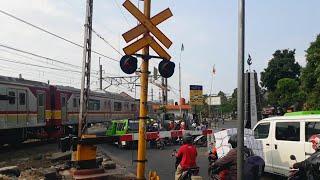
<point x="182" y="47"/>
<point x="214" y="69"/>
<point x="249" y="61"/>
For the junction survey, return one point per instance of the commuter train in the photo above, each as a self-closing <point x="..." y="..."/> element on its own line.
<point x="31" y="109"/>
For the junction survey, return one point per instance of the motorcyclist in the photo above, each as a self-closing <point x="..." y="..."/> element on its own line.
<point x="229" y="161"/>
<point x="188" y="154"/>
<point x="311" y="165"/>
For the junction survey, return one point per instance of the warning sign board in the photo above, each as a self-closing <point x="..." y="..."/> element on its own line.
<point x="196" y="95"/>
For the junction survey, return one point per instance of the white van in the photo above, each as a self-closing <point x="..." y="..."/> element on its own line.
<point x="284" y="136"/>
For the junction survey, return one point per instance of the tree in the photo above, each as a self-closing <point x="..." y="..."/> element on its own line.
<point x="288" y="94"/>
<point x="310" y="78"/>
<point x="222" y="96"/>
<point x="282" y="65"/>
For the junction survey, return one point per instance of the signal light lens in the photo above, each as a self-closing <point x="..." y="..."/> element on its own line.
<point x="128" y="64"/>
<point x="166" y="68"/>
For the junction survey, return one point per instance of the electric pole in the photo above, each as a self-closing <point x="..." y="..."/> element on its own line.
<point x="240" y="93"/>
<point x="166" y="91"/>
<point x="100" y="71"/>
<point x="85" y="80"/>
<point x="151" y="94"/>
<point x="180" y="88"/>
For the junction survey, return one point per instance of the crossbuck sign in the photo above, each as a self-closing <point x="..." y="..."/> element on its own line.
<point x="147" y="25"/>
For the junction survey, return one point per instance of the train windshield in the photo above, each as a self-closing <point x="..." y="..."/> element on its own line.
<point x="133" y="125"/>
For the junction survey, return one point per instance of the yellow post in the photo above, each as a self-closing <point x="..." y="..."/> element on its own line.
<point x="143" y="103"/>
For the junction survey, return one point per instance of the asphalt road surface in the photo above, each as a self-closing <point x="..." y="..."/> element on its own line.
<point x="162" y="161"/>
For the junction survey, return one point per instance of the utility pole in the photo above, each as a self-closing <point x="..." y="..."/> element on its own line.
<point x="86" y="64"/>
<point x="166" y="91"/>
<point x="85" y="156"/>
<point x="163" y="91"/>
<point x="143" y="101"/>
<point x="240" y="93"/>
<point x="151" y="94"/>
<point x="180" y="88"/>
<point x="100" y="70"/>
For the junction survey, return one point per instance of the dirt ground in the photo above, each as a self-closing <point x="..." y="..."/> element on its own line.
<point x="30" y="160"/>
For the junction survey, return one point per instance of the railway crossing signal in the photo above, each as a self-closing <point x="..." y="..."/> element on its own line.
<point x="128" y="63"/>
<point x="147" y="25"/>
<point x="166" y="68"/>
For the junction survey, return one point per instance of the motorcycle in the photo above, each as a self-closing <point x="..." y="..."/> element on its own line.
<point x="295" y="174"/>
<point x="188" y="173"/>
<point x="200" y="141"/>
<point x="160" y="144"/>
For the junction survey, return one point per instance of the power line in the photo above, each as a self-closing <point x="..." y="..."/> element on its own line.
<point x="29" y="64"/>
<point x="123" y="15"/>
<point x="46" y="62"/>
<point x="99" y="36"/>
<point x="39" y="56"/>
<point x="53" y="34"/>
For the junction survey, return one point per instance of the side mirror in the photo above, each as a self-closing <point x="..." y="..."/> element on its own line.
<point x="293" y="157"/>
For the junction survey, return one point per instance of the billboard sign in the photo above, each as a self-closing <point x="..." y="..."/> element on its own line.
<point x="196" y="95"/>
<point x="213" y="100"/>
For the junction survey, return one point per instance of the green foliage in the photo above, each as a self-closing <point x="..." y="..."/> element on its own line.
<point x="288" y="94"/>
<point x="310" y="78"/>
<point x="282" y="65"/>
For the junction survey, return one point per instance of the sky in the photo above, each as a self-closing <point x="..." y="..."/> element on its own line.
<point x="207" y="28"/>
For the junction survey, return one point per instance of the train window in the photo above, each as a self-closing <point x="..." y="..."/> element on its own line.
<point x="12" y="97"/>
<point x="40" y="99"/>
<point x="22" y="98"/>
<point x="117" y="106"/>
<point x="94" y="104"/>
<point x="105" y="104"/>
<point x="63" y="102"/>
<point x="126" y="106"/>
<point x="133" y="107"/>
<point x="75" y="104"/>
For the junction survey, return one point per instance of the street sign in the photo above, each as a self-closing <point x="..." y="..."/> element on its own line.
<point x="147" y="25"/>
<point x="196" y="96"/>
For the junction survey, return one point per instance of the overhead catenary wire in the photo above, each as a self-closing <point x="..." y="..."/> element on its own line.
<point x="37" y="60"/>
<point x="35" y="65"/>
<point x="107" y="42"/>
<point x="39" y="56"/>
<point x="123" y="15"/>
<point x="53" y="34"/>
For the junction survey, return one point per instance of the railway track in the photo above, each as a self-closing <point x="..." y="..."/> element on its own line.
<point x="26" y="145"/>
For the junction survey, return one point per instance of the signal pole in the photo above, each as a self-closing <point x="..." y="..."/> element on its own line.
<point x="141" y="160"/>
<point x="240" y="93"/>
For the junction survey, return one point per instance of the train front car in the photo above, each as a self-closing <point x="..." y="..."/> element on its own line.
<point x="25" y="109"/>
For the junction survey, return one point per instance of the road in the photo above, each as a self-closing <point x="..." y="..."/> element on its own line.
<point x="161" y="160"/>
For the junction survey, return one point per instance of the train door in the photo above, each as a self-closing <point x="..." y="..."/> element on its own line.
<point x="64" y="112"/>
<point x="12" y="108"/>
<point x="41" y="102"/>
<point x="22" y="107"/>
<point x="3" y="106"/>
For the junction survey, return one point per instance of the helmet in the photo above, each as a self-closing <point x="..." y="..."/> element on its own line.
<point x="233" y="140"/>
<point x="187" y="138"/>
<point x="315" y="140"/>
